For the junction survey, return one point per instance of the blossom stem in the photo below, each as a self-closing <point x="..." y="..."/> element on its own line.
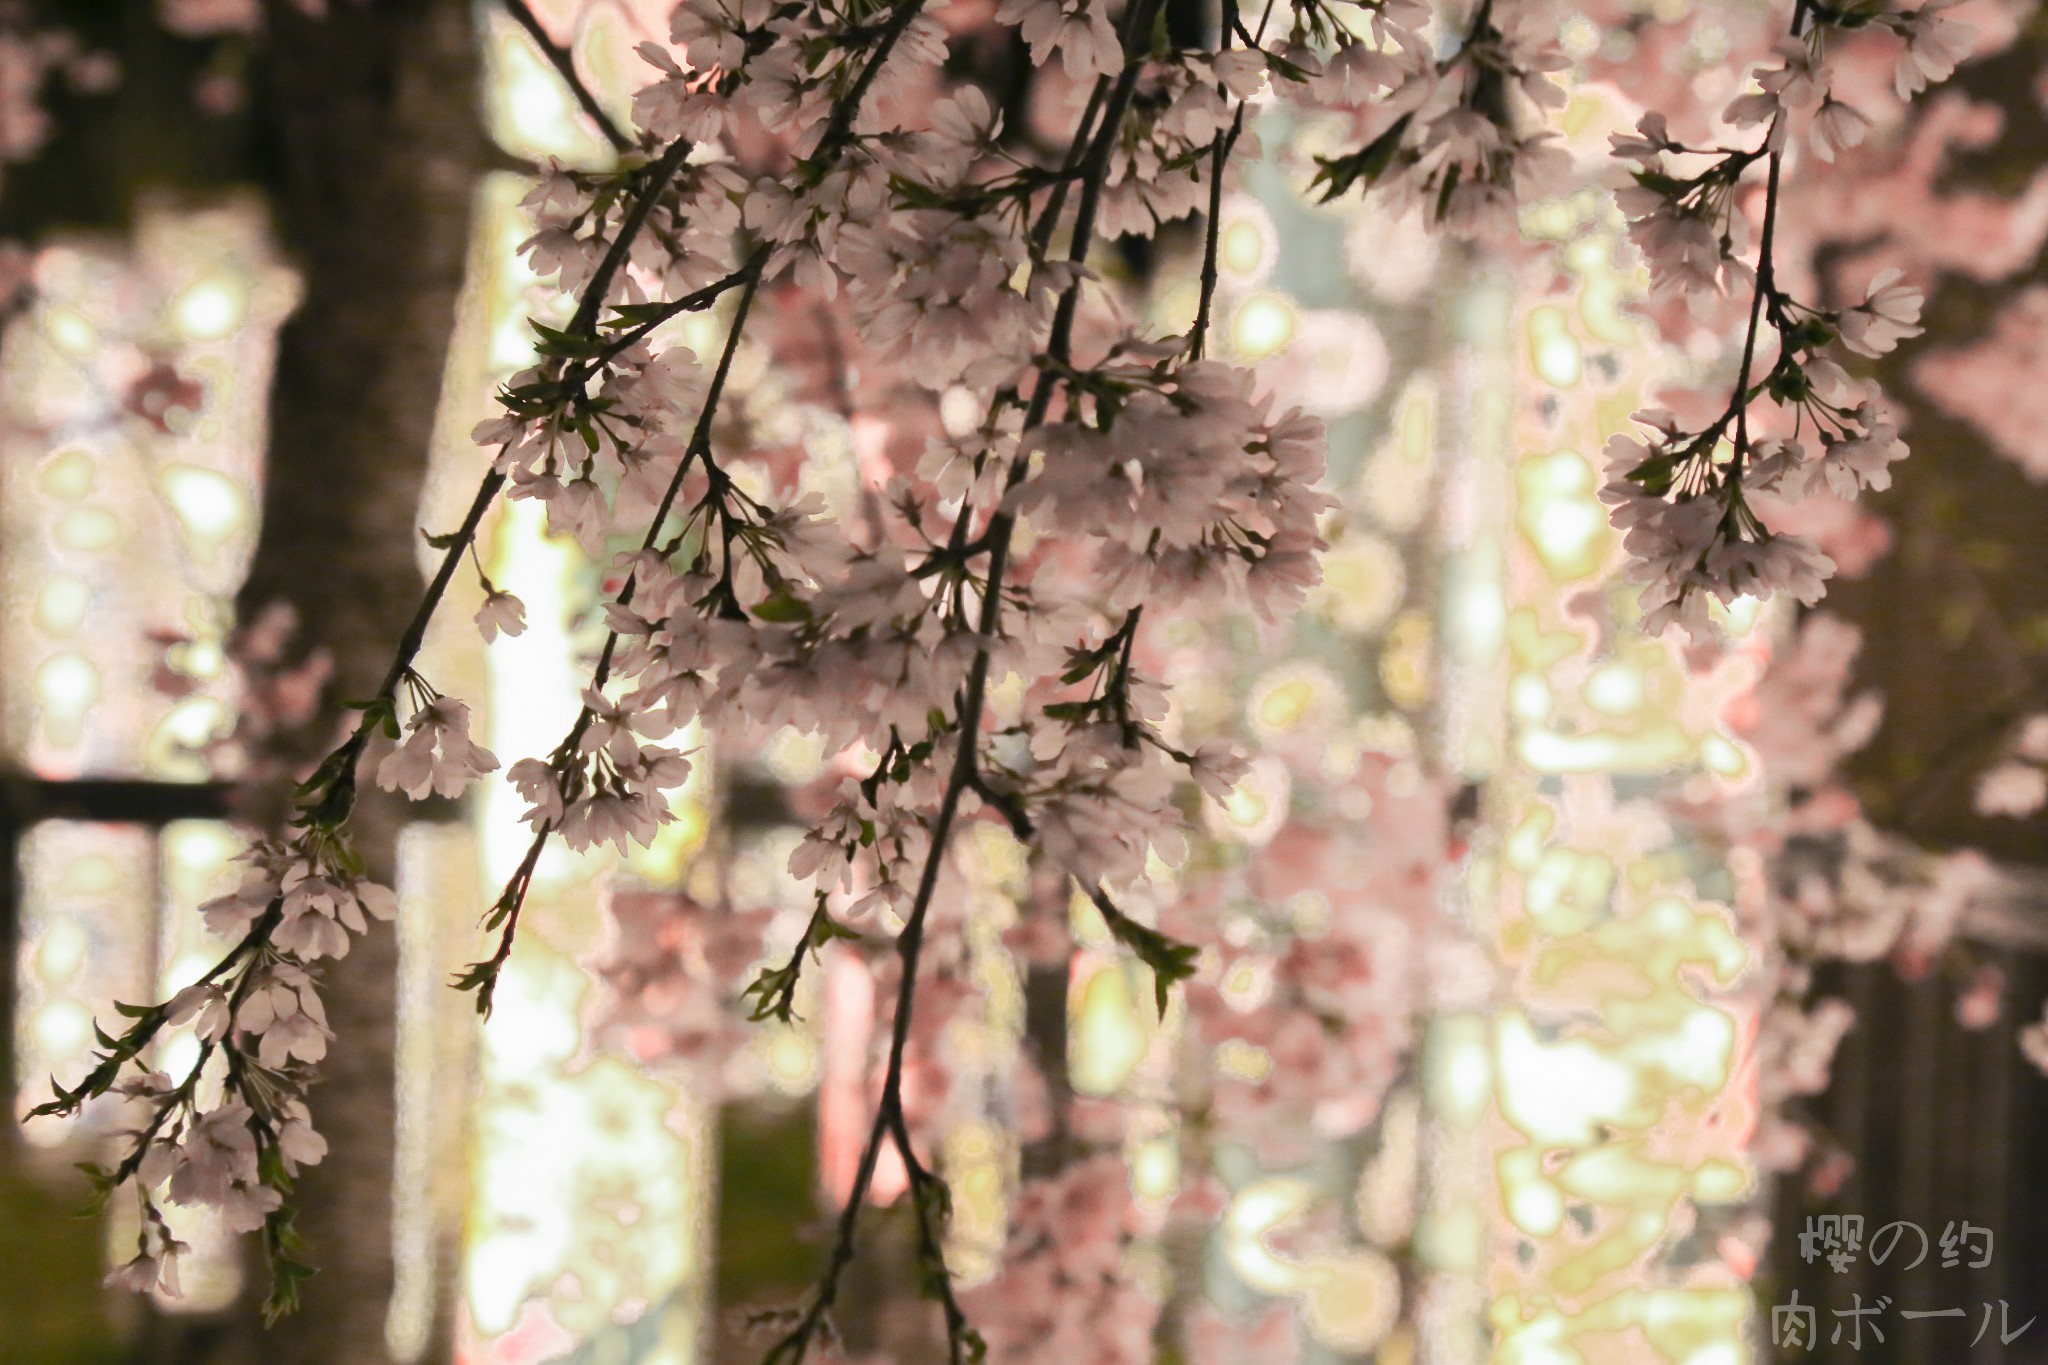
<point x="1005" y="804"/>
<point x="486" y="972"/>
<point x="331" y="801"/>
<point x="700" y="438"/>
<point x="1764" y="285"/>
<point x="839" y="125"/>
<point x="659" y="174"/>
<point x="335" y="804"/>
<point x="169" y="1105"/>
<point x="130" y="1045"/>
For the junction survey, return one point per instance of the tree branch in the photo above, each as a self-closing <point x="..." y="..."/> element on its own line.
<point x="564" y="61"/>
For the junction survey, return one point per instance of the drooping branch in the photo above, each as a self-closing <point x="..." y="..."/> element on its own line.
<point x="311" y="881"/>
<point x="1171" y="961"/>
<point x="564" y="765"/>
<point x="1692" y="534"/>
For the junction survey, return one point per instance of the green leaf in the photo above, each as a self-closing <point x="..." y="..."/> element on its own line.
<point x="497" y="914"/>
<point x="288" y="1238"/>
<point x="782" y="607"/>
<point x="773" y="992"/>
<point x="283" y="1299"/>
<point x="474" y="976"/>
<point x="639" y="314"/>
<point x="270" y="1167"/>
<point x="104" y="1182"/>
<point x="1655" y="474"/>
<point x="1171" y="960"/>
<point x="323" y="775"/>
<point x="824" y="929"/>
<point x="1810" y="334"/>
<point x="1789" y="385"/>
<point x="481" y="977"/>
<point x="1283" y="68"/>
<point x="565" y="345"/>
<point x="1176" y="967"/>
<point x="1364" y="166"/>
<point x="1665" y="185"/>
<point x="346" y="859"/>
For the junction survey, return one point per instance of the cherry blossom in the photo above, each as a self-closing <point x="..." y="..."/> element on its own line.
<point x="436" y="754"/>
<point x="1091" y="481"/>
<point x="1889" y="313"/>
<point x="1458" y="139"/>
<point x="1692" y="532"/>
<point x="2012" y="789"/>
<point x="1060" y="1290"/>
<point x="501" y="614"/>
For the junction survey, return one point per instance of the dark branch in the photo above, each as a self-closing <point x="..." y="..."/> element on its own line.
<point x="564" y="61"/>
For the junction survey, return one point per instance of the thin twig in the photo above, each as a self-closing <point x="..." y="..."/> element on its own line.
<point x="564" y="61"/>
<point x="1219" y="157"/>
<point x="1766" y="282"/>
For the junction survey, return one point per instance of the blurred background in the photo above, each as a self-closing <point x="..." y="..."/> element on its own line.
<point x="1665" y="951"/>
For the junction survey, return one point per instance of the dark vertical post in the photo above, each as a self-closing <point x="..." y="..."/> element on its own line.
<point x="10" y="951"/>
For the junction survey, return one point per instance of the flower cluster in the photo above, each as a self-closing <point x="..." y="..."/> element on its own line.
<point x="1061" y="1292"/>
<point x="1025" y="550"/>
<point x="436" y="754"/>
<point x="1993" y="383"/>
<point x="233" y="1131"/>
<point x="965" y="638"/>
<point x="1460" y="139"/>
<point x="674" y="971"/>
<point x="1179" y="112"/>
<point x="30" y="57"/>
<point x="1682" y="492"/>
<point x="1824" y="883"/>
<point x="2017" y="785"/>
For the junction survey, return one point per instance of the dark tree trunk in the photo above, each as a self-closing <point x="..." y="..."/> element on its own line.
<point x="1954" y="627"/>
<point x="377" y="144"/>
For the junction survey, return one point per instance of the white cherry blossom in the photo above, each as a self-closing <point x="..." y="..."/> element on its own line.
<point x="436" y="754"/>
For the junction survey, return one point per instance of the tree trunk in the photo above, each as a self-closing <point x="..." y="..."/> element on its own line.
<point x="376" y="147"/>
